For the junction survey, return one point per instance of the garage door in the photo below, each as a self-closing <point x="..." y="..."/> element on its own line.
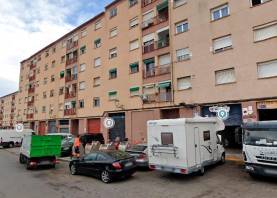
<point x="52" y="126"/>
<point x="94" y="125"/>
<point x="119" y="128"/>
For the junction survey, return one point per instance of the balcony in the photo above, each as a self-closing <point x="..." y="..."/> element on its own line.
<point x="154" y="21"/>
<point x="31" y="78"/>
<point x="30" y="116"/>
<point x="71" y="78"/>
<point x="30" y="103"/>
<point x="70" y="95"/>
<point x="69" y="112"/>
<point x="71" y="61"/>
<point x="150" y="47"/>
<point x="158" y="98"/>
<point x="32" y="66"/>
<point x="157" y="71"/>
<point x="31" y="90"/>
<point x="71" y="45"/>
<point x="147" y="2"/>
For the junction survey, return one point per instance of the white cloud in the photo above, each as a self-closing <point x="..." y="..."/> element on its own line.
<point x="27" y="26"/>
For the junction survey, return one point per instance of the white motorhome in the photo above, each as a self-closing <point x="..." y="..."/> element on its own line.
<point x="260" y="148"/>
<point x="184" y="145"/>
<point x="11" y="138"/>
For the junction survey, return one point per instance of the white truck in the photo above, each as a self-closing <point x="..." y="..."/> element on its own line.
<point x="260" y="148"/>
<point x="184" y="145"/>
<point x="11" y="138"/>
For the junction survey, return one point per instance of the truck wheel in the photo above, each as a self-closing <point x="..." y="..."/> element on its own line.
<point x="21" y="160"/>
<point x="201" y="172"/>
<point x="28" y="165"/>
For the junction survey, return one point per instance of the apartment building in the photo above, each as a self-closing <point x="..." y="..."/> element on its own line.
<point x="154" y="59"/>
<point x="7" y="111"/>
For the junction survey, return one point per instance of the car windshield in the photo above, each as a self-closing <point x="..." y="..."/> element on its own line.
<point x="118" y="155"/>
<point x="261" y="137"/>
<point x="139" y="148"/>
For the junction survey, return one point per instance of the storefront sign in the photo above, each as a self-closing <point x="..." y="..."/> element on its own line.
<point x="247" y="111"/>
<point x="267" y="105"/>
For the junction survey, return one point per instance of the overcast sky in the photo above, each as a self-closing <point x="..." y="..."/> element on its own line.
<point x="27" y="26"/>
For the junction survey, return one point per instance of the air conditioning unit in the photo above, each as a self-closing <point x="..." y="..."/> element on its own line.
<point x="144" y="97"/>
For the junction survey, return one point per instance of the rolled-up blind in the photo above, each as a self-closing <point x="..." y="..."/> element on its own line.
<point x="268" y="69"/>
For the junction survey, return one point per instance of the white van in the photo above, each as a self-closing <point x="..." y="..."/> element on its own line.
<point x="184" y="145"/>
<point x="11" y="138"/>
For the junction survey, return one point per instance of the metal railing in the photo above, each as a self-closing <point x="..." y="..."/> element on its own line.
<point x="71" y="61"/>
<point x="155" y="45"/>
<point x="71" y="45"/>
<point x="70" y="95"/>
<point x="154" y="21"/>
<point x="158" y="97"/>
<point x="68" y="112"/>
<point x="157" y="71"/>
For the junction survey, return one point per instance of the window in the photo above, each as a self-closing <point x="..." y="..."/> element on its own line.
<point x="52" y="93"/>
<point x="132" y="3"/>
<point x="207" y="135"/>
<point x="62" y="59"/>
<point x="148" y="19"/>
<point x="225" y="76"/>
<point x="134" y="22"/>
<point x="97" y="62"/>
<point x="44" y="95"/>
<point x="113" y="53"/>
<point x="265" y="32"/>
<point x="167" y="138"/>
<point x="222" y="44"/>
<point x="183" y="54"/>
<point x="134" y="91"/>
<point x="164" y="59"/>
<point x="81" y="104"/>
<point x="82" y="85"/>
<point x="113" y="32"/>
<point x="83" y="33"/>
<point x="53" y="50"/>
<point x="96" y="102"/>
<point x="179" y="2"/>
<point x="113" y="73"/>
<point x="98" y="25"/>
<point x="91" y="157"/>
<point x="134" y="44"/>
<point x="258" y="2"/>
<point x="97" y="43"/>
<point x="52" y="78"/>
<point x="96" y="81"/>
<point x="53" y="64"/>
<point x="46" y="53"/>
<point x="267" y="69"/>
<point x="45" y="81"/>
<point x="45" y="67"/>
<point x="184" y="83"/>
<point x="113" y="12"/>
<point x="182" y="27"/>
<point x="112" y="95"/>
<point x="83" y="50"/>
<point x="134" y="67"/>
<point x="82" y="67"/>
<point x="61" y="91"/>
<point x="220" y="12"/>
<point x="43" y="109"/>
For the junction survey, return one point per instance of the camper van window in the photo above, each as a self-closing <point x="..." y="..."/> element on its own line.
<point x="167" y="138"/>
<point x="206" y="135"/>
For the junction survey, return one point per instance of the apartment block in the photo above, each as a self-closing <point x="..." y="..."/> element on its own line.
<point x="155" y="59"/>
<point x="8" y="111"/>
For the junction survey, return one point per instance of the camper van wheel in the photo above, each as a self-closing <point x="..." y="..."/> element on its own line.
<point x="202" y="171"/>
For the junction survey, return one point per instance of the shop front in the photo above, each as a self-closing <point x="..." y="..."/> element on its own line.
<point x="267" y="110"/>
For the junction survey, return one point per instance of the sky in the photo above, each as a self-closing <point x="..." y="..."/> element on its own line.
<point x="28" y="26"/>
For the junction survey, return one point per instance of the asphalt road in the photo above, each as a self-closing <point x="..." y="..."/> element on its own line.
<point x="228" y="180"/>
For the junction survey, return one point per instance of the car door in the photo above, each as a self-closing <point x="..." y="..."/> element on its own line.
<point x="89" y="164"/>
<point x="101" y="163"/>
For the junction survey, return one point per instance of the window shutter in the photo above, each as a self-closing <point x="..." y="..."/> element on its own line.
<point x="184" y="83"/>
<point x="225" y="76"/>
<point x="134" y="45"/>
<point x="148" y="89"/>
<point x="134" y="22"/>
<point x="265" y="33"/>
<point x="165" y="59"/>
<point x="222" y="43"/>
<point x="148" y="37"/>
<point x="268" y="69"/>
<point x="148" y="16"/>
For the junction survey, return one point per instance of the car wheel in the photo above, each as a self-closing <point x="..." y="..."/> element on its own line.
<point x="73" y="170"/>
<point x="105" y="177"/>
<point x="11" y="145"/>
<point x="222" y="160"/>
<point x="201" y="172"/>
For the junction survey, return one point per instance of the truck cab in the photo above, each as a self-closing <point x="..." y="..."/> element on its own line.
<point x="260" y="148"/>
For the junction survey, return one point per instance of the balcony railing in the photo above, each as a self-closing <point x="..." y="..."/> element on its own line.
<point x="70" y="95"/>
<point x="30" y="103"/>
<point x="32" y="66"/>
<point x="159" y="97"/>
<point x="31" y="90"/>
<point x="30" y="116"/>
<point x="71" y="78"/>
<point x="31" y="78"/>
<point x="155" y="45"/>
<point x="157" y="71"/>
<point x="71" y="45"/>
<point x="154" y="21"/>
<point x="71" y="61"/>
<point x="147" y="2"/>
<point x="68" y="112"/>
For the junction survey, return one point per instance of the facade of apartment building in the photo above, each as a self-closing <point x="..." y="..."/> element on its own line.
<point x="155" y="59"/>
<point x="8" y="111"/>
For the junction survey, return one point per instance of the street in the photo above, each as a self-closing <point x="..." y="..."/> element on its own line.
<point x="228" y="180"/>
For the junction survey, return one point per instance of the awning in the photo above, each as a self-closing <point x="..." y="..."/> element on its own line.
<point x="83" y="47"/>
<point x="132" y="89"/>
<point x="164" y="84"/>
<point x="112" y="93"/>
<point x="163" y="5"/>
<point x="62" y="74"/>
<point x="97" y="40"/>
<point x="147" y="61"/>
<point x="134" y="65"/>
<point x="113" y="70"/>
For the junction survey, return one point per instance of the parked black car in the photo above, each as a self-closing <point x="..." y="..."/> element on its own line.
<point x="106" y="165"/>
<point x="89" y="137"/>
<point x="139" y="151"/>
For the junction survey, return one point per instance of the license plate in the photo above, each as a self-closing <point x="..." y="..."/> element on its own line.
<point x="128" y="164"/>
